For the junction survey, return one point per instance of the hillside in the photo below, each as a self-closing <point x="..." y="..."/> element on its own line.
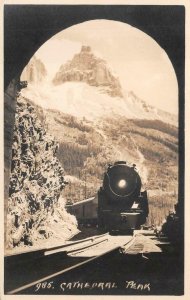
<point x="86" y="148"/>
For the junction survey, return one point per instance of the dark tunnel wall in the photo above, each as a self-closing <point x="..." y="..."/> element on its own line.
<point x="27" y="27"/>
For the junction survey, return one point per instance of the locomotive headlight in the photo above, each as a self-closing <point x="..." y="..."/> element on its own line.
<point x="122" y="183"/>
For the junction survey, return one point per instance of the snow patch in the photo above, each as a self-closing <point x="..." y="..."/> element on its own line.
<point x="82" y="100"/>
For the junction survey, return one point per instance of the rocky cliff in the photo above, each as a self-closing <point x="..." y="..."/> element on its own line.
<point x="86" y="67"/>
<point x="35" y="71"/>
<point x="36" y="210"/>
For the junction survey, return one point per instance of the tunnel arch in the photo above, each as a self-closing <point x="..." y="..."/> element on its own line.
<point x="128" y="33"/>
<point x="28" y="27"/>
<point x="35" y="49"/>
<point x="24" y="35"/>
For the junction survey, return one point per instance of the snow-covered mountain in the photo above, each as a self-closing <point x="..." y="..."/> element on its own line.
<point x="86" y="67"/>
<point x="82" y="100"/>
<point x="87" y="87"/>
<point x="35" y="71"/>
<point x="142" y="110"/>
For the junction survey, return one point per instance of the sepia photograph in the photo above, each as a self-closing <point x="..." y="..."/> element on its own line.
<point x="94" y="114"/>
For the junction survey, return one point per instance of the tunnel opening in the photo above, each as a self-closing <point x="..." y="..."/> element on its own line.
<point x="12" y="90"/>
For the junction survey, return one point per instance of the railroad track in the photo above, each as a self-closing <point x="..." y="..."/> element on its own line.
<point x="58" y="260"/>
<point x="34" y="254"/>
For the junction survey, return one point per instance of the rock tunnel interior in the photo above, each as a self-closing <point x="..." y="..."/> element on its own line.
<point x="27" y="27"/>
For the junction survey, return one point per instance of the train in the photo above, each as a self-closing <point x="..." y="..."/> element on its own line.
<point x="119" y="206"/>
<point x="122" y="206"/>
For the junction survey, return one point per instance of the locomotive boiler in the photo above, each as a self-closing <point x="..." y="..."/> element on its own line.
<point x="122" y="206"/>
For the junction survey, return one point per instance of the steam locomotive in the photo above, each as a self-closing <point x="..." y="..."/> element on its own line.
<point x="122" y="206"/>
<point x="119" y="205"/>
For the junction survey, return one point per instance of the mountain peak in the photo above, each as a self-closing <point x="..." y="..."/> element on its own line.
<point x="35" y="71"/>
<point x="87" y="67"/>
<point x="85" y="49"/>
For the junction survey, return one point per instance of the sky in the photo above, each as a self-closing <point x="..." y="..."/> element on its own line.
<point x="140" y="63"/>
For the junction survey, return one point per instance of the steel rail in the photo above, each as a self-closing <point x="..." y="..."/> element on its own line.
<point x="57" y="247"/>
<point x="29" y="285"/>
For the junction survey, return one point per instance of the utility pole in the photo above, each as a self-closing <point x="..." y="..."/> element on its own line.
<point x="85" y="192"/>
<point x="78" y="188"/>
<point x="70" y="192"/>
